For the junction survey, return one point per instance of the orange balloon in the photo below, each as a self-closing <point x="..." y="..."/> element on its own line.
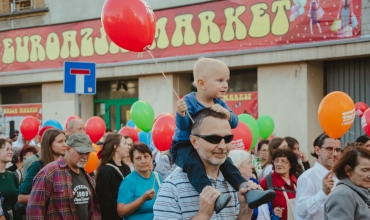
<point x="96" y="147"/>
<point x="92" y="162"/>
<point x="336" y="114"/>
<point x="137" y="129"/>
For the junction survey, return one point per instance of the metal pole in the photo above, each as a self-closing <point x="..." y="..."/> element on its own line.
<point x="79" y="104"/>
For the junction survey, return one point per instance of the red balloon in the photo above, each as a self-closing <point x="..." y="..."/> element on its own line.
<point x="129" y="131"/>
<point x="129" y="23"/>
<point x="242" y="137"/>
<point x="70" y="118"/>
<point x="163" y="113"/>
<point x="365" y="121"/>
<point x="162" y="132"/>
<point x="43" y="129"/>
<point x="29" y="127"/>
<point x="95" y="128"/>
<point x="360" y="108"/>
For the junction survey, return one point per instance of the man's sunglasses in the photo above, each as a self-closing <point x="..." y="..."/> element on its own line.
<point x="216" y="139"/>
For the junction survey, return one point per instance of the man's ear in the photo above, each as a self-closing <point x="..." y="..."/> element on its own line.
<point x="194" y="141"/>
<point x="317" y="150"/>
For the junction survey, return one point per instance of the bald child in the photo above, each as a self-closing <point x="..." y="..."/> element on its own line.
<point x="211" y="79"/>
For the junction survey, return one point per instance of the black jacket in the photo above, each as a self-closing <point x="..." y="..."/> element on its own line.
<point x="107" y="186"/>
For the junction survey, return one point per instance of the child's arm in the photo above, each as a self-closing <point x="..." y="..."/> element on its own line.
<point x="224" y="108"/>
<point x="182" y="120"/>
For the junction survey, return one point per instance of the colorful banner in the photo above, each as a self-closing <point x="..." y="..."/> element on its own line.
<point x="17" y="113"/>
<point x="197" y="29"/>
<point x="243" y="102"/>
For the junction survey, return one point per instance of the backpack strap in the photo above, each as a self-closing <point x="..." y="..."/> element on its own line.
<point x="270" y="186"/>
<point x="269" y="181"/>
<point x="116" y="168"/>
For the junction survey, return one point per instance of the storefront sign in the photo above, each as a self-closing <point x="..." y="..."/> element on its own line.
<point x="197" y="29"/>
<point x="243" y="102"/>
<point x="17" y="113"/>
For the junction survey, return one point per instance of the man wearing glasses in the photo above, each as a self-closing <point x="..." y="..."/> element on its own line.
<point x="62" y="189"/>
<point x="177" y="199"/>
<point x="315" y="184"/>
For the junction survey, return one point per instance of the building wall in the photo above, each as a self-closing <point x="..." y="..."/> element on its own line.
<point x="58" y="105"/>
<point x="79" y="11"/>
<point x="291" y="93"/>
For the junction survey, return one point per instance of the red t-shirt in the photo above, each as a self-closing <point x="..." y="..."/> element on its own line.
<point x="279" y="182"/>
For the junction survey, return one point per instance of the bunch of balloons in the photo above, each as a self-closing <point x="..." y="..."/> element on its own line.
<point x="297" y="9"/>
<point x="262" y="127"/>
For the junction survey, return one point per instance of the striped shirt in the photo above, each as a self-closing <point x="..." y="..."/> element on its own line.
<point x="177" y="198"/>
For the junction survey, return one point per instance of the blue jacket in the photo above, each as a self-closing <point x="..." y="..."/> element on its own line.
<point x="183" y="124"/>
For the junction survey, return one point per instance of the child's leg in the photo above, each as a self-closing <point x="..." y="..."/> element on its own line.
<point x="232" y="174"/>
<point x="186" y="157"/>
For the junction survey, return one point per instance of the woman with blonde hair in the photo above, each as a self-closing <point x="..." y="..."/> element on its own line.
<point x="110" y="173"/>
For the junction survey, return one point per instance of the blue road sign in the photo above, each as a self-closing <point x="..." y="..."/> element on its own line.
<point x="80" y="78"/>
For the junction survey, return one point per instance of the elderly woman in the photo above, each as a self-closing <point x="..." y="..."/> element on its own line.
<point x="283" y="181"/>
<point x="275" y="143"/>
<point x="350" y="199"/>
<point x="243" y="161"/>
<point x="138" y="191"/>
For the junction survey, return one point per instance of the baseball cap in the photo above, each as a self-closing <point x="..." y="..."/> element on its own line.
<point x="363" y="139"/>
<point x="81" y="142"/>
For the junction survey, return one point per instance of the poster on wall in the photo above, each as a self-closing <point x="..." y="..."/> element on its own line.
<point x="243" y="103"/>
<point x="17" y="113"/>
<point x="218" y="26"/>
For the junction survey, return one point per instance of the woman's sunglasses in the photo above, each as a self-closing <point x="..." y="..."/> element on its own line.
<point x="216" y="139"/>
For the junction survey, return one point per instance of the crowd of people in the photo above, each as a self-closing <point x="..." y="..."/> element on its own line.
<point x="199" y="178"/>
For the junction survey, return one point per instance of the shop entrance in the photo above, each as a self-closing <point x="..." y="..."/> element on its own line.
<point x="115" y="112"/>
<point x="113" y="102"/>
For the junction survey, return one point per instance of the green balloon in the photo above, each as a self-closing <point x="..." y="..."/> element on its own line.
<point x="142" y="114"/>
<point x="266" y="125"/>
<point x="251" y="122"/>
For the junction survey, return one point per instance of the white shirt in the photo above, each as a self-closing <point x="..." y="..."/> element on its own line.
<point x="310" y="198"/>
<point x="177" y="198"/>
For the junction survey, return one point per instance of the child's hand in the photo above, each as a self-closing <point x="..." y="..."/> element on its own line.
<point x="219" y="108"/>
<point x="182" y="107"/>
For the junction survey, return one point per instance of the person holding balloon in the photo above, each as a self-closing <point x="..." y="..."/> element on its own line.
<point x="63" y="189"/>
<point x="53" y="145"/>
<point x="110" y="173"/>
<point x="211" y="80"/>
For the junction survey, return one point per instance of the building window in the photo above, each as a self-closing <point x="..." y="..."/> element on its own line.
<point x="21" y="95"/>
<point x="16" y="6"/>
<point x="117" y="89"/>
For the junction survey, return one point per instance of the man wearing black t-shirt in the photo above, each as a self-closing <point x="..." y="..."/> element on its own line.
<point x="52" y="196"/>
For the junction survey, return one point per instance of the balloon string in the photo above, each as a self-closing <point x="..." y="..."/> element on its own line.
<point x="173" y="89"/>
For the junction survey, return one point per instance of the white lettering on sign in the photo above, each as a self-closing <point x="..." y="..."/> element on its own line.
<point x="348" y="117"/>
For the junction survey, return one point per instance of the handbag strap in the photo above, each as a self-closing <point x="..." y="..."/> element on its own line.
<point x="116" y="168"/>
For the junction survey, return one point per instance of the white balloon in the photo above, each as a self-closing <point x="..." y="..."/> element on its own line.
<point x="292" y="17"/>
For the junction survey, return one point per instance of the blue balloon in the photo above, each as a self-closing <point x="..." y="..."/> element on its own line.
<point x="53" y="123"/>
<point x="130" y="123"/>
<point x="145" y="137"/>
